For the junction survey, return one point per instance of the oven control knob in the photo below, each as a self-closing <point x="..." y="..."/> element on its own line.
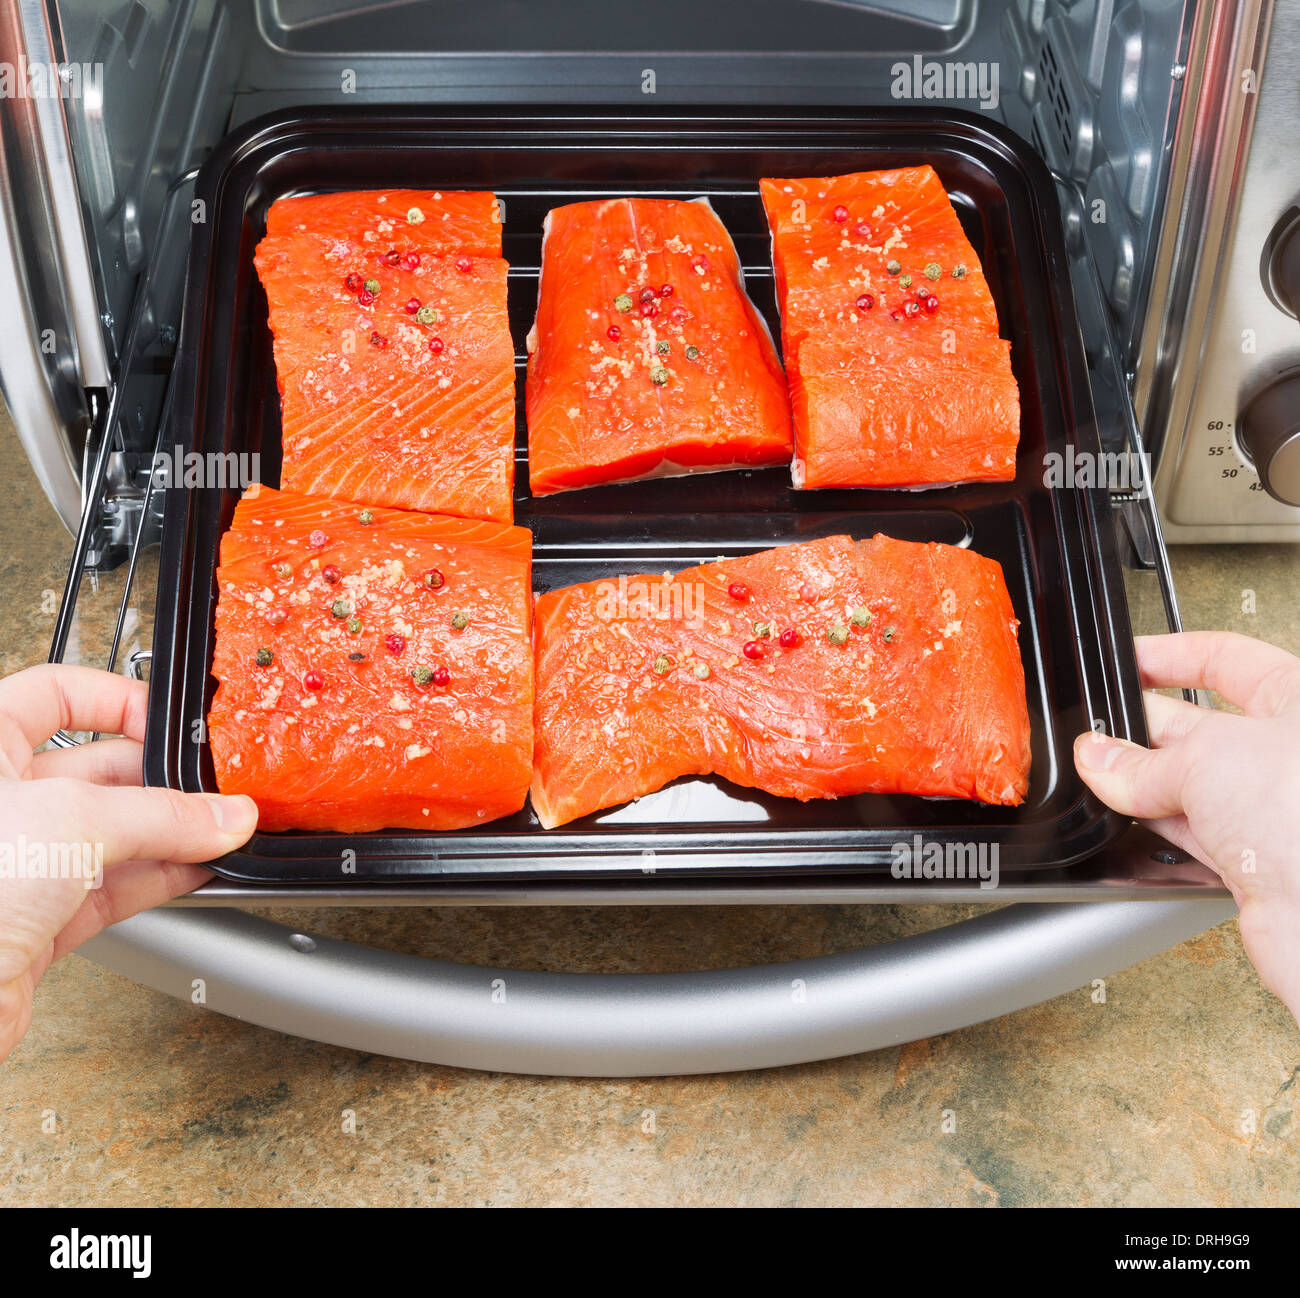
<point x="1268" y="430"/>
<point x="1281" y="265"/>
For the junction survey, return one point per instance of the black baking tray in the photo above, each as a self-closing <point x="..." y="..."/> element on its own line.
<point x="1055" y="547"/>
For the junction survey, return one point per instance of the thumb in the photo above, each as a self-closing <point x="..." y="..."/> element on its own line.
<point x="150" y="824"/>
<point x="1140" y="782"/>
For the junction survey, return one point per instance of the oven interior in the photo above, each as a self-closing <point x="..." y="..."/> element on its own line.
<point x="1086" y="82"/>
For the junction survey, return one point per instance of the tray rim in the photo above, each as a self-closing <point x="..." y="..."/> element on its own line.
<point x="696" y="854"/>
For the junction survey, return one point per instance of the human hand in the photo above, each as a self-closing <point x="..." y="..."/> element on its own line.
<point x="1224" y="788"/>
<point x="84" y="805"/>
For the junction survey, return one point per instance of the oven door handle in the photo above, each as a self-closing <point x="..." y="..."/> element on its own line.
<point x="622" y="1025"/>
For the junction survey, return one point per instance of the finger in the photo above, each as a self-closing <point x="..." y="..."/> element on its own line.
<point x="1259" y="678"/>
<point x="1169" y="720"/>
<point x="126" y="891"/>
<point x="112" y="762"/>
<point x="62" y="697"/>
<point x="146" y="824"/>
<point x="1136" y="781"/>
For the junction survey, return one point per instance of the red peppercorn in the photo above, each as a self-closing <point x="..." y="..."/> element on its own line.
<point x="411" y="261"/>
<point x="412" y="305"/>
<point x="788" y="638"/>
<point x="354" y="282"/>
<point x="840" y="214"/>
<point x="931" y="304"/>
<point x="317" y="540"/>
<point x="647" y="295"/>
<point x="666" y="291"/>
<point x="866" y="302"/>
<point x="395" y="644"/>
<point x="378" y="340"/>
<point x="678" y="314"/>
<point x="893" y="315"/>
<point x="277" y="616"/>
<point x="391" y="257"/>
<point x="332" y="573"/>
<point x="365" y="297"/>
<point x="862" y="230"/>
<point x="434" y="580"/>
<point x="912" y="308"/>
<point x="314" y="680"/>
<point x="436" y="346"/>
<point x="464" y="265"/>
<point x="649" y="309"/>
<point x="752" y="649"/>
<point x="700" y="264"/>
<point x="738" y="591"/>
<point x="807" y="593"/>
<point x="614" y="332"/>
<point x="441" y="676"/>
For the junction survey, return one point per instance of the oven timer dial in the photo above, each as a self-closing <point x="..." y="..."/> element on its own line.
<point x="1268" y="432"/>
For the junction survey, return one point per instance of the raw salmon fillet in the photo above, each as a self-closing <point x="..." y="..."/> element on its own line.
<point x="620" y="388"/>
<point x="904" y="677"/>
<point x="887" y="390"/>
<point x="405" y="398"/>
<point x="327" y="588"/>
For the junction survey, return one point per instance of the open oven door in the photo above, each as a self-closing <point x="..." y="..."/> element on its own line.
<point x="74" y="425"/>
<point x="641" y="1024"/>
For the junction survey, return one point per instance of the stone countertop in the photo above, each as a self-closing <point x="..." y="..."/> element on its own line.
<point x="1180" y="1089"/>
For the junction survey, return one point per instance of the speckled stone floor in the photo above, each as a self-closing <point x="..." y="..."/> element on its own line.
<point x="1181" y="1089"/>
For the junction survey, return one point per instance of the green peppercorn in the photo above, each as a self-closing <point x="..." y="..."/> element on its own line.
<point x="422" y="675"/>
<point x="340" y="608"/>
<point x="906" y="281"/>
<point x="888" y="634"/>
<point x="959" y="271"/>
<point x="838" y="634"/>
<point x="366" y="517"/>
<point x="661" y="665"/>
<point x="372" y="286"/>
<point x="658" y="375"/>
<point x="933" y="270"/>
<point x="426" y="315"/>
<point x="860" y="617"/>
<point x="284" y="570"/>
<point x="692" y="353"/>
<point x="702" y="671"/>
<point x="893" y="266"/>
<point x="264" y="657"/>
<point x="354" y="625"/>
<point x="459" y="621"/>
<point x="763" y="630"/>
<point x="663" y="347"/>
<point x="623" y="303"/>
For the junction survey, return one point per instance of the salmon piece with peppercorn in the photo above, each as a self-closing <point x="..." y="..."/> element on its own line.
<point x="647" y="359"/>
<point x="898" y="376"/>
<point x="392" y="349"/>
<point x="818" y="670"/>
<point x="374" y="666"/>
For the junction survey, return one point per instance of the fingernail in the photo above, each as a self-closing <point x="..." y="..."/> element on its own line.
<point x="1097" y="752"/>
<point x="230" y="813"/>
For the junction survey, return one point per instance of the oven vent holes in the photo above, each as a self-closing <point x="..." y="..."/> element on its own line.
<point x="1056" y="98"/>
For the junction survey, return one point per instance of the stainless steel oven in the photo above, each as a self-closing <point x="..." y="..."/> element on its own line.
<point x="1167" y="127"/>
